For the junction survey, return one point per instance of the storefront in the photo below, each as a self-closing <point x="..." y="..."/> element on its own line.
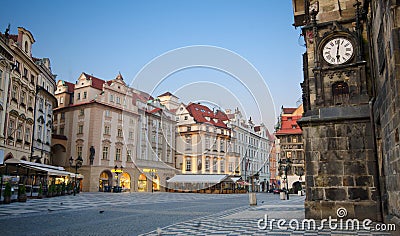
<point x="34" y="176"/>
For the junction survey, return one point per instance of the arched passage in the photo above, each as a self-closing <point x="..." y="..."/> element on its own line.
<point x="125" y="181"/>
<point x="105" y="181"/>
<point x="142" y="183"/>
<point x="59" y="155"/>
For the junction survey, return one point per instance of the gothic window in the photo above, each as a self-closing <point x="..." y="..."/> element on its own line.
<point x="340" y="92"/>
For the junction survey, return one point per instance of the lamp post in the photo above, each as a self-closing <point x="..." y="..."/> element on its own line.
<point x="285" y="166"/>
<point x="78" y="164"/>
<point x="117" y="170"/>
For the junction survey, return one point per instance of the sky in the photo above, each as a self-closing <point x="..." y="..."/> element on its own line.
<point x="104" y="38"/>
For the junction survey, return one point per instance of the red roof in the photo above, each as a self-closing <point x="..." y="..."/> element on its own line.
<point x="96" y="82"/>
<point x="154" y="110"/>
<point x="289" y="110"/>
<point x="289" y="125"/>
<point x="203" y="114"/>
<point x="71" y="86"/>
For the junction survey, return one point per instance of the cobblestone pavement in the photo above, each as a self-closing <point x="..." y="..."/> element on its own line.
<point x="126" y="209"/>
<point x="88" y="200"/>
<point x="244" y="221"/>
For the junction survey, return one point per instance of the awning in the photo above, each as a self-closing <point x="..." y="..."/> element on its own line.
<point x="49" y="169"/>
<point x="212" y="179"/>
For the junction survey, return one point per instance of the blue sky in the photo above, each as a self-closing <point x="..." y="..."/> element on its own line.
<point x="106" y="37"/>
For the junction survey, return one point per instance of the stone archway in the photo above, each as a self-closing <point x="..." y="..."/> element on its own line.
<point x="105" y="181"/>
<point x="59" y="155"/>
<point x="142" y="183"/>
<point x="125" y="181"/>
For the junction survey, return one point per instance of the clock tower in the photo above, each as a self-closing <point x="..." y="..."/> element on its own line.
<point x="338" y="139"/>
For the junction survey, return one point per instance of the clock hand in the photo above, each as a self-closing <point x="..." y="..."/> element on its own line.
<point x="337" y="51"/>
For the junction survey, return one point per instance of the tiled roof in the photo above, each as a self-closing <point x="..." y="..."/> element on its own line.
<point x="287" y="124"/>
<point x="203" y="114"/>
<point x="96" y="82"/>
<point x="71" y="86"/>
<point x="289" y="110"/>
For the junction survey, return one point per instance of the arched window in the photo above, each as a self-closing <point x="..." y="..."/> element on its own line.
<point x="26" y="47"/>
<point x="340" y="93"/>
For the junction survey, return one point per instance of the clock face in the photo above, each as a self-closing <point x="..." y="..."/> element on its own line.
<point x="337" y="51"/>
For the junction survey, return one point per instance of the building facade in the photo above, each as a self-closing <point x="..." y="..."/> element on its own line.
<point x="341" y="163"/>
<point x="384" y="46"/>
<point x="43" y="113"/>
<point x="252" y="143"/>
<point x="203" y="140"/>
<point x="102" y="122"/>
<point x="19" y="80"/>
<point x="290" y="138"/>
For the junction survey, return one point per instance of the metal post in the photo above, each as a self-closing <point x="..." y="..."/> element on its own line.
<point x="287" y="182"/>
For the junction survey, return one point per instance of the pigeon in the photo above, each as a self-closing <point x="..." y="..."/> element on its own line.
<point x="101" y="212"/>
<point x="61" y="203"/>
<point x="158" y="231"/>
<point x="50" y="210"/>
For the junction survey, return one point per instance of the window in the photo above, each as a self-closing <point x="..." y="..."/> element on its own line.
<point x="207" y="164"/>
<point x="62" y="130"/>
<point x="84" y="95"/>
<point x="80" y="129"/>
<point x="14" y="92"/>
<point x="207" y="143"/>
<point x="105" y="153"/>
<point x="107" y="129"/>
<point x="188" y="164"/>
<point x="107" y="113"/>
<point x="222" y="146"/>
<point x="62" y="115"/>
<point x="119" y="134"/>
<point x="118" y="100"/>
<point x="130" y="134"/>
<point x="119" y="116"/>
<point x="230" y="166"/>
<point x="222" y="166"/>
<point x="131" y="122"/>
<point x="10" y="127"/>
<point x="111" y="98"/>
<point x="17" y="66"/>
<point x="188" y="142"/>
<point x="78" y="96"/>
<point x="32" y="79"/>
<point x="118" y="154"/>
<point x="79" y="151"/>
<point x="23" y="95"/>
<point x="62" y="100"/>
<point x="26" y="46"/>
<point x="82" y="112"/>
<point x="39" y="132"/>
<point x="41" y="104"/>
<point x="19" y="131"/>
<point x="215" y="165"/>
<point x="293" y="126"/>
<point x="25" y="73"/>
<point x="48" y="136"/>
<point x="27" y="134"/>
<point x="129" y="155"/>
<point x="186" y="117"/>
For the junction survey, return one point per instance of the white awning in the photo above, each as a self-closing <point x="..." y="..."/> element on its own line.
<point x="213" y="179"/>
<point x="49" y="169"/>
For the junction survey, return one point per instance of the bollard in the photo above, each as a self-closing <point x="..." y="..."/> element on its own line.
<point x="282" y="195"/>
<point x="253" y="199"/>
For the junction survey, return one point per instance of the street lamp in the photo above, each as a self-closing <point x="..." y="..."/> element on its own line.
<point x="285" y="166"/>
<point x="78" y="164"/>
<point x="152" y="174"/>
<point x="117" y="170"/>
